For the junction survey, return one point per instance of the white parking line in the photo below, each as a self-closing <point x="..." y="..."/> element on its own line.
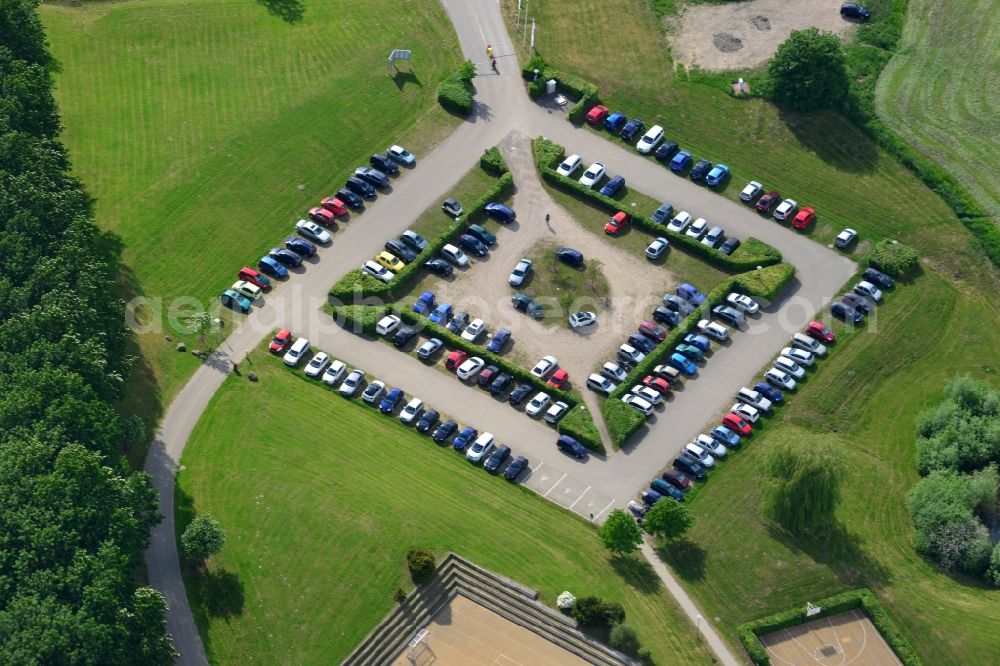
<point x="540" y="465"/>
<point x="554" y="486"/>
<point x="579" y="498"/>
<point x="598" y="514"/>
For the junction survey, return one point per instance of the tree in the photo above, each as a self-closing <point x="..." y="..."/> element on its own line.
<point x="963" y="432"/>
<point x="594" y="611"/>
<point x="620" y="533"/>
<point x="993" y="573"/>
<point x="808" y="72"/>
<point x="667" y="519"/>
<point x="202" y="538"/>
<point x="624" y="639"/>
<point x="803" y="483"/>
<point x="421" y="564"/>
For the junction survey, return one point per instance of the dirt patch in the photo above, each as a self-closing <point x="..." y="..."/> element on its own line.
<point x="745" y="34"/>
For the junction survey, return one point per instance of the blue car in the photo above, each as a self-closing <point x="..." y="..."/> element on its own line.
<point x="568" y="255"/>
<point x="300" y="246"/>
<point x="726" y="437"/>
<point x="680" y="161"/>
<point x="718" y="174"/>
<point x="681" y="362"/>
<point x="466" y="437"/>
<point x="691" y="294"/>
<point x="641" y="342"/>
<point x="663" y="214"/>
<point x="632" y="127"/>
<point x="612" y="187"/>
<point x="424" y="302"/>
<point x="441" y="314"/>
<point x="615" y="121"/>
<point x="390" y="401"/>
<point x="473" y="245"/>
<point x="500" y="213"/>
<point x="769" y="392"/>
<point x="699" y="341"/>
<point x="663" y="488"/>
<point x="269" y="266"/>
<point x="498" y="340"/>
<point x="284" y="256"/>
<point x="232" y="299"/>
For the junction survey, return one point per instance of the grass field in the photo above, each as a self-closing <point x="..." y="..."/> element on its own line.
<point x="206" y="128"/>
<point x="321" y="504"/>
<point x="572" y="288"/>
<point x="940" y="91"/>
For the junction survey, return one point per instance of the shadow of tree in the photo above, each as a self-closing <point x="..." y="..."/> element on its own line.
<point x="637" y="572"/>
<point x="289" y="11"/>
<point x="833" y="139"/>
<point x="222" y="594"/>
<point x="839" y="550"/>
<point x="686" y="558"/>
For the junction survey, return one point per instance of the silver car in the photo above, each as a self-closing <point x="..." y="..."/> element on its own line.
<point x="520" y="273"/>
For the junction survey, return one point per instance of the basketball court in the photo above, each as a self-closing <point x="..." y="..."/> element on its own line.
<point x="837" y="640"/>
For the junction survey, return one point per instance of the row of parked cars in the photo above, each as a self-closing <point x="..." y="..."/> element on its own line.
<point x="863" y="298"/>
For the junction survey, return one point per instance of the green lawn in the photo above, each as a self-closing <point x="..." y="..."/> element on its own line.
<point x="321" y="502"/>
<point x="572" y="289"/>
<point x="939" y="92"/>
<point x="205" y="128"/>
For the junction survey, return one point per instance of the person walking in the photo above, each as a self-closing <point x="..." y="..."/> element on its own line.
<point x="489" y="51"/>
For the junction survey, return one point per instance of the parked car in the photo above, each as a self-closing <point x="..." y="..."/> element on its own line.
<point x="360" y="187"/>
<point x="630" y="355"/>
<point x="682" y="363"/>
<point x="666" y="150"/>
<point x="614" y="372"/>
<point x="754" y="398"/>
<point x="350" y="198"/>
<point x="526" y="304"/>
<point x="725" y="436"/>
<point x="537" y="404"/>
<point x="235" y="301"/>
<point x="545" y="367"/>
<point x="820" y="332"/>
<point x="641" y="342"/>
<point x="499" y="339"/>
<point x="451" y="253"/>
<point x="593" y="174"/>
<point x="373" y="392"/>
<point x="500" y="384"/>
<point x="556" y="412"/>
<point x="401" y="155"/>
<point x="463" y="439"/>
<point x="615" y="121"/>
<point x="680" y="161"/>
<point x="680" y="222"/>
<point x="789" y="367"/>
<point x="455" y="359"/>
<point x="662" y="315"/>
<point x="730" y="246"/>
<point x="281" y="341"/>
<point x="804" y="218"/>
<point x="411" y="411"/>
<point x="751" y="191"/>
<point x="803" y="357"/>
<point x="470" y="368"/>
<point x="474" y="330"/>
<point x="519" y="394"/>
<point x="317" y="364"/>
<point x="713" y="237"/>
<point x="767" y="203"/>
<point x="335" y="206"/>
<point x="500" y="213"/>
<point x="658" y="384"/>
<point x="600" y="384"/>
<point x="780" y="378"/>
<point x="403" y="337"/>
<point x="387" y="325"/>
<point x="640" y="403"/>
<point x="579" y="320"/>
<point x="373" y="177"/>
<point x="657" y="248"/>
<point x="742" y="302"/>
<point x="247" y="290"/>
<point x="377" y="271"/>
<point x="334" y="373"/>
<point x="613" y="186"/>
<point x="857" y="302"/>
<point x="597" y="115"/>
<point x="650" y="140"/>
<point x="559" y="379"/>
<point x="568" y="445"/>
<point x="429" y="348"/>
<point x="769" y="392"/>
<point x="690" y="293"/>
<point x="845" y="237"/>
<point x="714" y="447"/>
<point x="570" y="164"/>
<point x="677" y="479"/>
<point x="444" y="431"/>
<point x="700" y="170"/>
<point x="697" y="229"/>
<point x="808" y="343"/>
<point x="631" y="128"/>
<point x="458" y="321"/>
<point x="452" y="208"/>
<point x="690" y="352"/>
<point x="299" y="247"/>
<point x="665" y="489"/>
<point x="427" y="420"/>
<point x="616" y="224"/>
<point x="854" y="11"/>
<point x="691" y="467"/>
<point x="737" y="424"/>
<point x="255" y="278"/>
<point x="869" y="290"/>
<point x="699" y="341"/>
<point x="497" y="458"/>
<point x="323" y="216"/>
<point x="439" y="267"/>
<point x="384" y="164"/>
<point x="713" y="330"/>
<point x="352" y="383"/>
<point x="652" y="330"/>
<point x="718" y="175"/>
<point x="878" y="277"/>
<point x="728" y="314"/>
<point x="473" y="245"/>
<point x="424" y="303"/>
<point x="400" y="249"/>
<point x="514" y="469"/>
<point x="487" y="376"/>
<point x="480" y="448"/>
<point x="663" y="213"/>
<point x="569" y="256"/>
<point x="785" y="210"/>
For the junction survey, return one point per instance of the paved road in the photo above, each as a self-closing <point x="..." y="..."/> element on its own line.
<point x="501" y="105"/>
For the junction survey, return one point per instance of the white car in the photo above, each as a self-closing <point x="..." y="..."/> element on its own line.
<point x="713" y="446"/>
<point x="474" y="330"/>
<point x="569" y="165"/>
<point x="650" y="140"/>
<point x="377" y="271"/>
<point x="845" y="237"/>
<point x="401" y="155"/>
<point x="520" y="273"/>
<point x="593" y="174"/>
<point x="713" y="237"/>
<point x="748" y="412"/>
<point x="334" y="372"/>
<point x="630" y="354"/>
<point x="582" y="319"/>
<point x="470" y="368"/>
<point x="387" y="325"/>
<point x="545" y="367"/>
<point x="600" y="384"/>
<point x="537" y="404"/>
<point x="697" y="228"/>
<point x="647" y="394"/>
<point x="429" y="348"/>
<point x="454" y="255"/>
<point x="373" y="392"/>
<point x="614" y="371"/>
<point x="313" y="232"/>
<point x="244" y="288"/>
<point x="640" y="403"/>
<point x="296" y="352"/>
<point x="865" y="288"/>
<point x="780" y="378"/>
<point x="680" y="221"/>
<point x="788" y="365"/>
<point x="786" y="209"/>
<point x="352" y="383"/>
<point x="700" y="454"/>
<point x="480" y="448"/>
<point x="317" y="364"/>
<point x="411" y="411"/>
<point x="800" y="356"/>
<point x="809" y="344"/>
<point x="742" y="302"/>
<point x="656" y="249"/>
<point x="556" y="412"/>
<point x="753" y="398"/>
<point x="750" y="192"/>
<point x="713" y="329"/>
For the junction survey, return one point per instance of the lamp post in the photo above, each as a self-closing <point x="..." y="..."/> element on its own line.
<point x="697" y="625"/>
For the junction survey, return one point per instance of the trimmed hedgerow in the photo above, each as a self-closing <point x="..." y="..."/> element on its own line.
<point x="621" y="420"/>
<point x="492" y="162"/>
<point x="579" y="424"/>
<point x="359" y="318"/>
<point x="455" y="92"/>
<point x="895" y="258"/>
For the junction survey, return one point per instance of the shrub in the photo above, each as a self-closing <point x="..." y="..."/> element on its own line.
<point x="622" y="421"/>
<point x="421" y="563"/>
<point x="466" y="71"/>
<point x="579" y="424"/>
<point x="595" y="612"/>
<point x="492" y="162"/>
<point x="359" y="318"/>
<point x="993" y="573"/>
<point x="895" y="258"/>
<point x="528" y="69"/>
<point x="133" y="429"/>
<point x="624" y="638"/>
<point x="587" y="100"/>
<point x="202" y="538"/>
<point x="565" y="601"/>
<point x="455" y="95"/>
<point x="547" y="153"/>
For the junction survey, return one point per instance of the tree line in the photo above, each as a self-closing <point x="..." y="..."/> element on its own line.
<point x="74" y="520"/>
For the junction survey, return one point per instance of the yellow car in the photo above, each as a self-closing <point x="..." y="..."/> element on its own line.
<point x="390" y="261"/>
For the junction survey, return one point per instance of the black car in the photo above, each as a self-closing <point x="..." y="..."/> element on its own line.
<point x="567" y="444"/>
<point x="515" y="468"/>
<point x="857" y="302"/>
<point x="401" y="250"/>
<point x="878" y="277"/>
<point x="403" y="336"/>
<point x="641" y="342"/>
<point x="459" y="320"/>
<point x="444" y="431"/>
<point x="687" y="464"/>
<point x="384" y="164"/>
<point x="497" y="458"/>
<point x="729" y="315"/>
<point x="500" y="384"/>
<point x="700" y="170"/>
<point x="666" y="150"/>
<point x="520" y="392"/>
<point x="632" y="128"/>
<point x="473" y="245"/>
<point x="568" y="255"/>
<point x="662" y="315"/>
<point x="350" y="198"/>
<point x="729" y="246"/>
<point x="487" y="375"/>
<point x="427" y="420"/>
<point x="360" y="187"/>
<point x="284" y="256"/>
<point x="853" y="11"/>
<point x="372" y="176"/>
<point x="846" y="313"/>
<point x="439" y="267"/>
<point x="300" y="246"/>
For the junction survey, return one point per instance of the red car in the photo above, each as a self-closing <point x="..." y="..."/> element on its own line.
<point x="254" y="277"/>
<point x="820" y="332"/>
<point x="804" y="218"/>
<point x="455" y="359"/>
<point x="737" y="424"/>
<point x="767" y="203"/>
<point x="281" y="341"/>
<point x="322" y="216"/>
<point x="653" y="330"/>
<point x="677" y="479"/>
<point x="658" y="384"/>
<point x="597" y="115"/>
<point x="558" y="379"/>
<point x="616" y="224"/>
<point x="335" y="206"/>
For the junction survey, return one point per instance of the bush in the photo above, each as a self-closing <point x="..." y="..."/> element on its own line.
<point x="621" y="420"/>
<point x="624" y="638"/>
<point x="595" y="612"/>
<point x="565" y="601"/>
<point x="455" y="95"/>
<point x="897" y="259"/>
<point x="359" y="318"/>
<point x="421" y="563"/>
<point x="202" y="538"/>
<point x="547" y="153"/>
<point x="587" y="100"/>
<point x="492" y="162"/>
<point x="579" y="424"/>
<point x="993" y="573"/>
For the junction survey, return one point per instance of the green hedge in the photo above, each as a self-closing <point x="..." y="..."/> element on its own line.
<point x="359" y="318"/>
<point x="749" y="633"/>
<point x="582" y="90"/>
<point x="621" y="420"/>
<point x="579" y="424"/>
<point x="897" y="259"/>
<point x="455" y="92"/>
<point x="355" y="285"/>
<point x="764" y="284"/>
<point x="492" y="162"/>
